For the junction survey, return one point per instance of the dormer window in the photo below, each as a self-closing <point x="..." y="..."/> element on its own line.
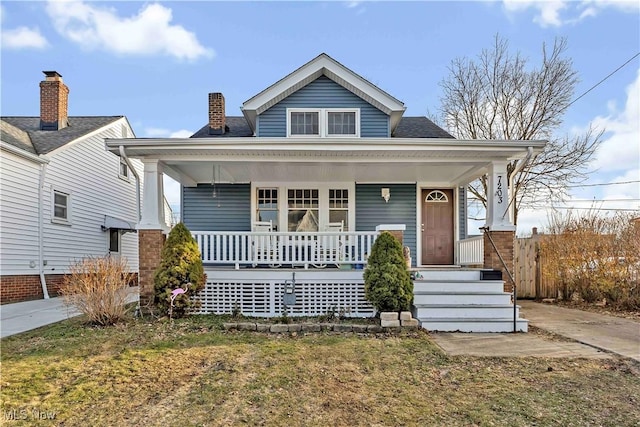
<point x="323" y="122"/>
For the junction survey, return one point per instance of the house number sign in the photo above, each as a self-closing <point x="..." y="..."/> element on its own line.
<point x="498" y="192"/>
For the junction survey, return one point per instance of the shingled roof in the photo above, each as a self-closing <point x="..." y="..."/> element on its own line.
<point x="409" y="127"/>
<point x="45" y="141"/>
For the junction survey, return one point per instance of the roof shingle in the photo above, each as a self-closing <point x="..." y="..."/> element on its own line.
<point x="45" y="141"/>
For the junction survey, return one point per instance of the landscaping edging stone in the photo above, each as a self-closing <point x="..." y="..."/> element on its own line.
<point x="279" y="328"/>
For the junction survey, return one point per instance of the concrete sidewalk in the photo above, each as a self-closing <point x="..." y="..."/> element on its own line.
<point x="587" y="335"/>
<point x="609" y="333"/>
<point x="25" y="316"/>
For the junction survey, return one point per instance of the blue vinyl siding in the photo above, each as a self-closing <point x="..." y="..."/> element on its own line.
<point x="323" y="93"/>
<point x="462" y="212"/>
<point x="371" y="210"/>
<point x="230" y="211"/>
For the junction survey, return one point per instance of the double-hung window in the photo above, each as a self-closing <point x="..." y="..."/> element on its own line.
<point x="61" y="204"/>
<point x="323" y="122"/>
<point x="124" y="169"/>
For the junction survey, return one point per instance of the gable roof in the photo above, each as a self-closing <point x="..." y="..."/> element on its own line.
<point x="323" y="64"/>
<point x="45" y="141"/>
<point x="16" y="137"/>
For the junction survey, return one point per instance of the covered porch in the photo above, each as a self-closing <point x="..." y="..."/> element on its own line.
<point x="230" y="185"/>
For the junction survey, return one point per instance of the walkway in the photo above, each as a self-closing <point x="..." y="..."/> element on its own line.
<point x="25" y="316"/>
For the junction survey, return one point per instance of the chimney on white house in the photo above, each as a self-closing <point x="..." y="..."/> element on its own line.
<point x="217" y="121"/>
<point x="54" y="102"/>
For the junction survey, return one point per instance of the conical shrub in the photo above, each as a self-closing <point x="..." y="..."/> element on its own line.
<point x="180" y="267"/>
<point x="387" y="282"/>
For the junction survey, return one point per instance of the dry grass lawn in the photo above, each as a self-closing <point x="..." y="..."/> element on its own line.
<point x="192" y="373"/>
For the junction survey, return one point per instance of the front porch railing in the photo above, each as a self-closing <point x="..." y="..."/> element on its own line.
<point x="471" y="251"/>
<point x="317" y="249"/>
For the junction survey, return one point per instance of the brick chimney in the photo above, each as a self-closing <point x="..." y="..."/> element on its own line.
<point x="217" y="121"/>
<point x="54" y="102"/>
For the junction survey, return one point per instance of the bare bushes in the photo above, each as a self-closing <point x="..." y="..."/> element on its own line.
<point x="97" y="287"/>
<point x="594" y="258"/>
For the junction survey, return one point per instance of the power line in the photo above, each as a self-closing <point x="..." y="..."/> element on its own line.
<point x="601" y="81"/>
<point x="602" y="184"/>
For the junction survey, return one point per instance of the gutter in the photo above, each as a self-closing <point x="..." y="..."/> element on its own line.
<point x="135" y="173"/>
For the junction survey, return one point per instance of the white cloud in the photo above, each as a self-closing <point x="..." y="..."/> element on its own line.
<point x="620" y="149"/>
<point x="556" y="13"/>
<point x="150" y="32"/>
<point x="21" y="37"/>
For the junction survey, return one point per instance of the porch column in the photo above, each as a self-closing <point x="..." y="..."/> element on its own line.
<point x="151" y="229"/>
<point x="499" y="225"/>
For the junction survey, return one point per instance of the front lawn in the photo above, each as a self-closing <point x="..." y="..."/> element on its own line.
<point x="193" y="373"/>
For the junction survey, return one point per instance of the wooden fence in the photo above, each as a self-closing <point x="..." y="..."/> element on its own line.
<point x="529" y="276"/>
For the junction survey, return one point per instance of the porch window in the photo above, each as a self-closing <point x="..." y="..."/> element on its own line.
<point x="303" y="210"/>
<point x="339" y="206"/>
<point x="267" y="206"/>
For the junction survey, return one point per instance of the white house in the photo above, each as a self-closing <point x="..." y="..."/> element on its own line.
<point x="63" y="197"/>
<point x="296" y="190"/>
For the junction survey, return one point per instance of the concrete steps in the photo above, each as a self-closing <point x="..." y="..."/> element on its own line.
<point x="457" y="300"/>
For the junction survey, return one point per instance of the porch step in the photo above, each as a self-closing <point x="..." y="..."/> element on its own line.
<point x="464" y="311"/>
<point x="448" y="298"/>
<point x="474" y="325"/>
<point x="449" y="274"/>
<point x="441" y="285"/>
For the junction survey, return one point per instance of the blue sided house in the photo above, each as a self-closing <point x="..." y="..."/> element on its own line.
<point x="289" y="196"/>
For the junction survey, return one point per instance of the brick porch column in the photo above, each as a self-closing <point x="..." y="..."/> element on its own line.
<point x="150" y="244"/>
<point x="151" y="229"/>
<point x="504" y="241"/>
<point x="396" y="230"/>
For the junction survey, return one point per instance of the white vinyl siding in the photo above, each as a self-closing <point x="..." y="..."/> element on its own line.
<point x="18" y="215"/>
<point x="87" y="171"/>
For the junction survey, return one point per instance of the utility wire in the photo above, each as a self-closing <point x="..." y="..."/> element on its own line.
<point x="602" y="184"/>
<point x="601" y="81"/>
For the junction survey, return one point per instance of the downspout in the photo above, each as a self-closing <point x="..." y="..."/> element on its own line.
<point x="135" y="173"/>
<point x="43" y="280"/>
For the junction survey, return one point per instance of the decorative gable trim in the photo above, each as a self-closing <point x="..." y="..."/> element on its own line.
<point x="323" y="64"/>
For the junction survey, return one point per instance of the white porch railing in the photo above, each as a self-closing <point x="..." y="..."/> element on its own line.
<point x="471" y="251"/>
<point x="284" y="248"/>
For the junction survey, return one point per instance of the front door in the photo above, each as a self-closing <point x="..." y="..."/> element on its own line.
<point x="437" y="227"/>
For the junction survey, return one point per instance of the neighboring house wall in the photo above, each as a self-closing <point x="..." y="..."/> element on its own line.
<point x="323" y="93"/>
<point x="18" y="215"/>
<point x="90" y="175"/>
<point x="229" y="211"/>
<point x="371" y="210"/>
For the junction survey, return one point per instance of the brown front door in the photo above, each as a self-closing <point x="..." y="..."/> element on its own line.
<point x="437" y="227"/>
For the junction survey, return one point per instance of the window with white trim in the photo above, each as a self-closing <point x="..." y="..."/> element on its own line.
<point x="339" y="207"/>
<point x="267" y="206"/>
<point x="303" y="210"/>
<point x="124" y="169"/>
<point x="61" y="202"/>
<point x="323" y="122"/>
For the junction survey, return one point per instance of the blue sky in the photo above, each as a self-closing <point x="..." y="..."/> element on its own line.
<point x="155" y="62"/>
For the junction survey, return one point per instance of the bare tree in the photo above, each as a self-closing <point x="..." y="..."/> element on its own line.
<point x="497" y="96"/>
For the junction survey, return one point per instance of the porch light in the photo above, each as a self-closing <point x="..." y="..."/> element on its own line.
<point x="386" y="194"/>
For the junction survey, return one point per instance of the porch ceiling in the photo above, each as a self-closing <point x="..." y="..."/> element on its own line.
<point x="442" y="161"/>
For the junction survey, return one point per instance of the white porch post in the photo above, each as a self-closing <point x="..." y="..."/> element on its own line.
<point x="152" y="217"/>
<point x="498" y="198"/>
